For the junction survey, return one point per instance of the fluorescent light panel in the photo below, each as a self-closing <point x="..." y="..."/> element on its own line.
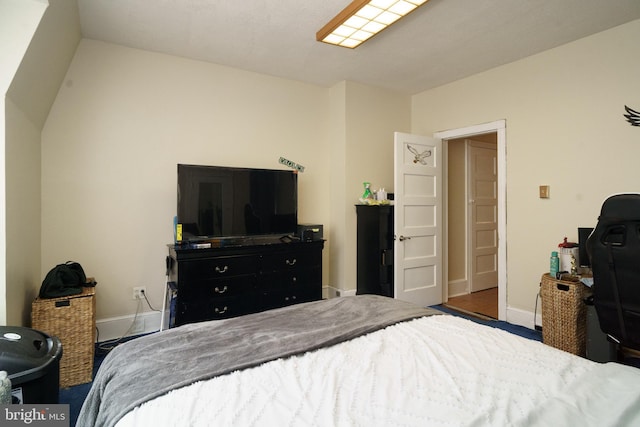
<point x="363" y="19"/>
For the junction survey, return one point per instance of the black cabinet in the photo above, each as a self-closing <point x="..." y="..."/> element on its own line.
<point x="218" y="283"/>
<point x="375" y="250"/>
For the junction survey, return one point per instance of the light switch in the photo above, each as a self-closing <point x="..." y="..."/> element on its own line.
<point x="544" y="191"/>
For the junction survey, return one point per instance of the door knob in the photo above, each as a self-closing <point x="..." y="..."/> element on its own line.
<point x="403" y="238"/>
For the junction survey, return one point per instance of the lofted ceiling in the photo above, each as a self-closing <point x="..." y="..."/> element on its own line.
<point x="440" y="42"/>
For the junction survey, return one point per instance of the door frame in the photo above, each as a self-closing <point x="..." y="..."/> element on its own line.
<point x="499" y="127"/>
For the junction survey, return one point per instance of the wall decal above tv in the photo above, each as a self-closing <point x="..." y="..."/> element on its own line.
<point x="218" y="201"/>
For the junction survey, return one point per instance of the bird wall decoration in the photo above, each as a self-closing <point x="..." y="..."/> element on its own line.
<point x="632" y="116"/>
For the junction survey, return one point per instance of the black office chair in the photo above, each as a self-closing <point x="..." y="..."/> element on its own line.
<point x="614" y="251"/>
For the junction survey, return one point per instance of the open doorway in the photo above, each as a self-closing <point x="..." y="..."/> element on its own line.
<point x="458" y="268"/>
<point x="472" y="225"/>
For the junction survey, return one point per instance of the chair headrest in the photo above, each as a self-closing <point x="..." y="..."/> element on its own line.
<point x="623" y="207"/>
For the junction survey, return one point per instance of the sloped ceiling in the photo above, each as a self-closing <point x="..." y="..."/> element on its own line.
<point x="442" y="41"/>
<point x="36" y="82"/>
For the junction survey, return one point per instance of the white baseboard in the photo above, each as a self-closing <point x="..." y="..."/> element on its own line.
<point x="117" y="327"/>
<point x="331" y="292"/>
<point x="458" y="287"/>
<point x="327" y="292"/>
<point x="523" y="318"/>
<point x="149" y="321"/>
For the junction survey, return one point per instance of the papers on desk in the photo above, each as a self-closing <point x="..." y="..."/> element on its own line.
<point x="587" y="281"/>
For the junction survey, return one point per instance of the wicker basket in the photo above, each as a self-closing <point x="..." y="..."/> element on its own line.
<point x="73" y="320"/>
<point x="564" y="314"/>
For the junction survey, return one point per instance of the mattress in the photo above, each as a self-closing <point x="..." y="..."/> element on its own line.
<point x="151" y="366"/>
<point x="430" y="371"/>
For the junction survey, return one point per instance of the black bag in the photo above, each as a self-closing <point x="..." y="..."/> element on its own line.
<point x="63" y="280"/>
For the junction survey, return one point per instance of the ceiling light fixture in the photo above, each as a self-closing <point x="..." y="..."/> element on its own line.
<point x="363" y="19"/>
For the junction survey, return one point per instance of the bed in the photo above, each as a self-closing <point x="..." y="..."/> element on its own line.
<point x="354" y="361"/>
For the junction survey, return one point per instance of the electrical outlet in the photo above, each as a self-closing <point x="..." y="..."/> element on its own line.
<point x="139" y="292"/>
<point x="138" y="326"/>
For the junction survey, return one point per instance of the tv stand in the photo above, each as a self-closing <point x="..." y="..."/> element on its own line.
<point x="251" y="276"/>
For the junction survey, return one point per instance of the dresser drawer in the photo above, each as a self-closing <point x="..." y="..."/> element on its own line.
<point x="219" y="308"/>
<point x="220" y="267"/>
<point x="279" y="261"/>
<point x="293" y="278"/>
<point x="282" y="298"/>
<point x="219" y="287"/>
<point x="303" y="278"/>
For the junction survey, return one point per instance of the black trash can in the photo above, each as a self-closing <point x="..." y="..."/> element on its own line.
<point x="32" y="360"/>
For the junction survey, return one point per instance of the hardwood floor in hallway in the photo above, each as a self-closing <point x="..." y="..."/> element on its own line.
<point x="482" y="302"/>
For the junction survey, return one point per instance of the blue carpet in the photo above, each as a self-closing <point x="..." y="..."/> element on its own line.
<point x="499" y="324"/>
<point x="74" y="396"/>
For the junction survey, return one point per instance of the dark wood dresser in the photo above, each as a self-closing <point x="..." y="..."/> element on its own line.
<point x="238" y="279"/>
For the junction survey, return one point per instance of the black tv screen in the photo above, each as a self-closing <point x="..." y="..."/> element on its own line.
<point x="217" y="201"/>
<point x="583" y="236"/>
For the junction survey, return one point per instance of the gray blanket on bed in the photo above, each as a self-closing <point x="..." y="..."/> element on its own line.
<point x="150" y="366"/>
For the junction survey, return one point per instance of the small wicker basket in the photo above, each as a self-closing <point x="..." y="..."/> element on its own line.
<point x="564" y="314"/>
<point x="73" y="320"/>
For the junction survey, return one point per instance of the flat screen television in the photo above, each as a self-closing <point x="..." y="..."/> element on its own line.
<point x="218" y="201"/>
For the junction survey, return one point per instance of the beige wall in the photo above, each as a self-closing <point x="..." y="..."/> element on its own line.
<point x="564" y="128"/>
<point x="457" y="217"/>
<point x="339" y="259"/>
<point x="126" y="117"/>
<point x="122" y="121"/>
<point x="41" y="39"/>
<point x="22" y="213"/>
<point x="372" y="116"/>
<point x="18" y="22"/>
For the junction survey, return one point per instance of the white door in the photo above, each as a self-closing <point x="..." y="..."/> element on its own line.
<point x="418" y="219"/>
<point x="483" y="213"/>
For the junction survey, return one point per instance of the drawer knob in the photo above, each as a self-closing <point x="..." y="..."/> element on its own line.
<point x="217" y="290"/>
<point x="218" y="311"/>
<point x="222" y="270"/>
<point x="291" y="262"/>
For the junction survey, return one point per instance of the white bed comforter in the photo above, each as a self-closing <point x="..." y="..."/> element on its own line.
<point x="432" y="371"/>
